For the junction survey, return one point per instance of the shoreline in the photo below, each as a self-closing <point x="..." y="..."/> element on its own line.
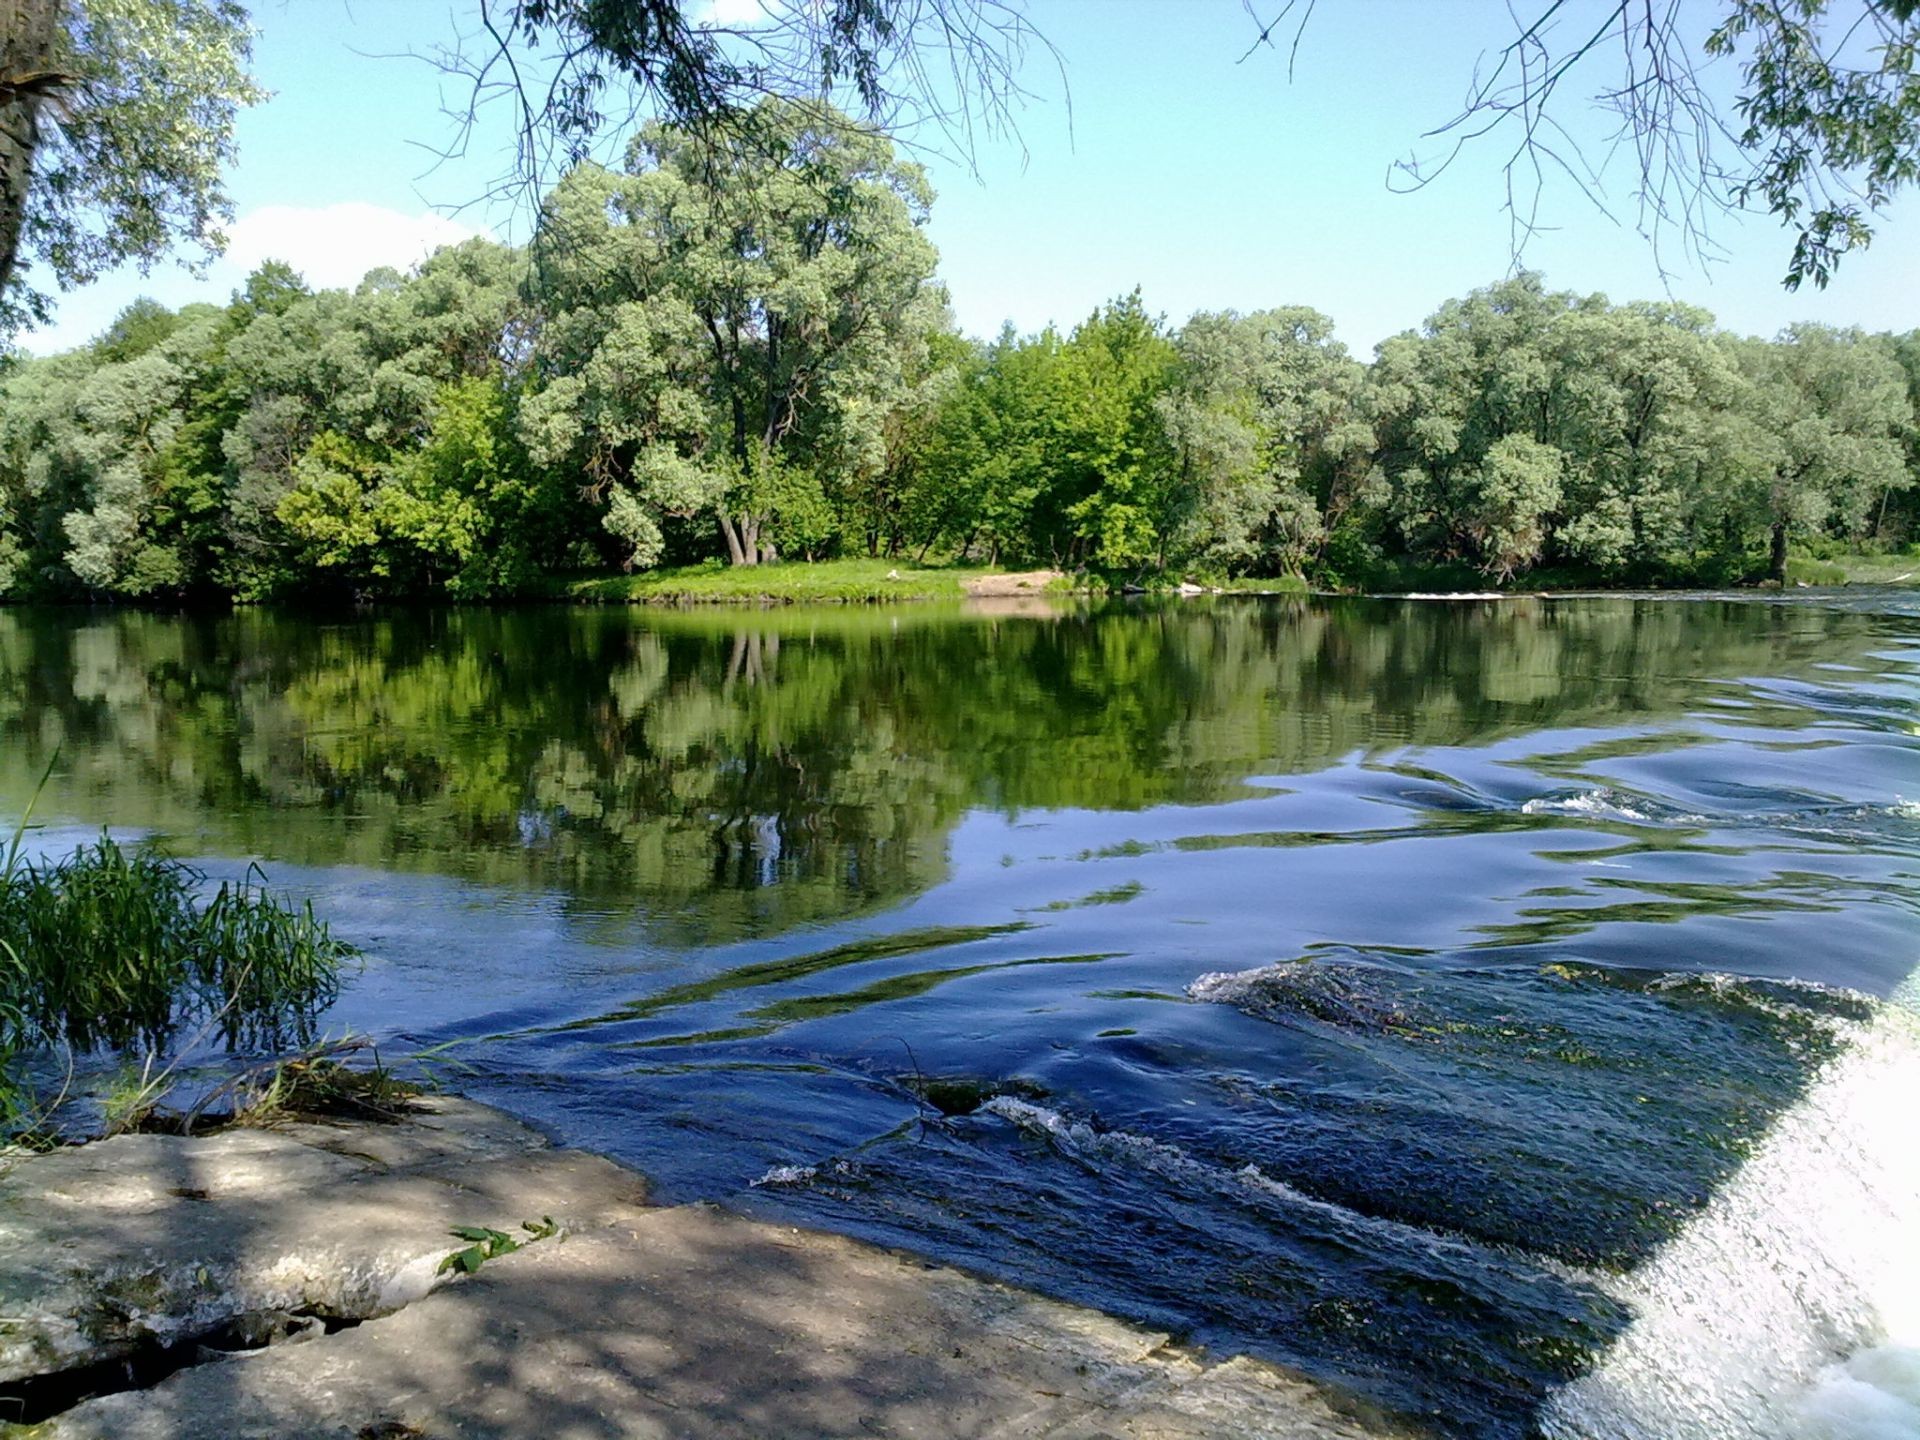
<point x="779" y="600"/>
<point x="296" y="1281"/>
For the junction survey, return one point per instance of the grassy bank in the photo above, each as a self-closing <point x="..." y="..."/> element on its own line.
<point x="799" y="582"/>
<point x="867" y="581"/>
<point x="1895" y="568"/>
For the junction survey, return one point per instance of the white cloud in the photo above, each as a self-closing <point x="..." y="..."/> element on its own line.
<point x="332" y="246"/>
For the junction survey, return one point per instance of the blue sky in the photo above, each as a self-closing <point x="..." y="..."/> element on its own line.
<point x="1166" y="161"/>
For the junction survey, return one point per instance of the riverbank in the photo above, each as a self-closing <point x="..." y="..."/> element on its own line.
<point x="859" y="581"/>
<point x="871" y="581"/>
<point x="303" y="1281"/>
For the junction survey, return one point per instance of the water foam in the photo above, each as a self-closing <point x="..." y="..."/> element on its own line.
<point x="1788" y="1310"/>
<point x="780" y="1175"/>
<point x="1082" y="1139"/>
<point x="1874" y="1395"/>
<point x="1600" y="804"/>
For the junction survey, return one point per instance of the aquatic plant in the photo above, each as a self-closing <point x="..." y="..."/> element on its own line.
<point x="122" y="949"/>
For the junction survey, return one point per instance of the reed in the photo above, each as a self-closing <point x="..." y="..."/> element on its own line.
<point x="123" y="949"/>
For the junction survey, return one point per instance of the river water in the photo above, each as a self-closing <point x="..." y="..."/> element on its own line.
<point x="1495" y="1008"/>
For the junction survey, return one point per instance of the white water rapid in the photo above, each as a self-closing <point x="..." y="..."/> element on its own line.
<point x="1789" y="1309"/>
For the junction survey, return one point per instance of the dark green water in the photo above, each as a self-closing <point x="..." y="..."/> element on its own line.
<point x="1371" y="986"/>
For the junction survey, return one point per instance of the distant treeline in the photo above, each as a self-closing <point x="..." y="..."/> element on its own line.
<point x="736" y="347"/>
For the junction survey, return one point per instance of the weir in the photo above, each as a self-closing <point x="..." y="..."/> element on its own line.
<point x="1789" y="1309"/>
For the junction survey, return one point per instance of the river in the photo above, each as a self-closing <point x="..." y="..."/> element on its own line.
<point x="1493" y="1007"/>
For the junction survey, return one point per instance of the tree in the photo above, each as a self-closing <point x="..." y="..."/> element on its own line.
<point x="1833" y="407"/>
<point x="571" y="71"/>
<point x="988" y="461"/>
<point x="82" y="447"/>
<point x="1648" y="413"/>
<point x="1260" y="406"/>
<point x="116" y="118"/>
<point x="1481" y="370"/>
<point x="1824" y="132"/>
<point x="722" y="312"/>
<point x="1112" y="503"/>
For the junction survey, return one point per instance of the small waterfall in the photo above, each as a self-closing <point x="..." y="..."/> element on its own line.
<point x="1789" y="1309"/>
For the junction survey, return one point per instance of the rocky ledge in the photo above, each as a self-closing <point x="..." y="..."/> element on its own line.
<point x="173" y="1266"/>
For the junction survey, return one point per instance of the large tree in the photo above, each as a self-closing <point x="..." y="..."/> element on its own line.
<point x="1259" y="402"/>
<point x="116" y="119"/>
<point x="1833" y="410"/>
<point x="722" y="314"/>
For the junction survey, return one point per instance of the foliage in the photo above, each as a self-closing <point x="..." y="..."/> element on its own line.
<point x="1832" y="118"/>
<point x="733" y="350"/>
<point x="572" y="71"/>
<point x="729" y="308"/>
<point x="485" y="1244"/>
<point x="110" y="948"/>
<point x="1824" y="129"/>
<point x="118" y="119"/>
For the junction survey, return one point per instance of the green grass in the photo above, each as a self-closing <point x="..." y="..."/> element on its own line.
<point x="116" y="949"/>
<point x="1851" y="568"/>
<point x="1264" y="585"/>
<point x="859" y="581"/>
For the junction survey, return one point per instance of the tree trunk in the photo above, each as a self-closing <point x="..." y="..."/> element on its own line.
<point x="732" y="537"/>
<point x="1777" y="565"/>
<point x="28" y="31"/>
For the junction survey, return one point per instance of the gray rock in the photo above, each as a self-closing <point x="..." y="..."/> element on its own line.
<point x="147" y="1238"/>
<point x="691" y="1322"/>
<point x="631" y="1322"/>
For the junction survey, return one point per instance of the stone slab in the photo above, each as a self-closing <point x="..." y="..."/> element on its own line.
<point x="154" y="1238"/>
<point x="692" y="1322"/>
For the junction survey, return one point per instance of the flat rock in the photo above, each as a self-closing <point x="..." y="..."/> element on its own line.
<point x="692" y="1322"/>
<point x="632" y="1321"/>
<point x="141" y="1238"/>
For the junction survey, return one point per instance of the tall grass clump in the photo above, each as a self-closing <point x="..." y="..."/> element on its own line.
<point x="122" y="949"/>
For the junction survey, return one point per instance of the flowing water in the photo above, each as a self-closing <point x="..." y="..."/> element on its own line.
<point x="1500" y="1009"/>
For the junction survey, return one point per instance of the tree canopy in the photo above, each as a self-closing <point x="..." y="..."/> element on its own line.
<point x="116" y="116"/>
<point x="116" y="122"/>
<point x="733" y="348"/>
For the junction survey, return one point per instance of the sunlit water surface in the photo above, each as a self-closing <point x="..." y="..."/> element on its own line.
<point x="1495" y="1008"/>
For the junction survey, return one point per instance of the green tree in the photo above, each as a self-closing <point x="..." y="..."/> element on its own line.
<point x="1112" y="502"/>
<point x="989" y="455"/>
<point x="731" y="306"/>
<point x="1833" y="408"/>
<point x="1260" y="412"/>
<point x="82" y="447"/>
<point x="116" y="118"/>
<point x="371" y="369"/>
<point x="1480" y="370"/>
<point x="1647" y="407"/>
